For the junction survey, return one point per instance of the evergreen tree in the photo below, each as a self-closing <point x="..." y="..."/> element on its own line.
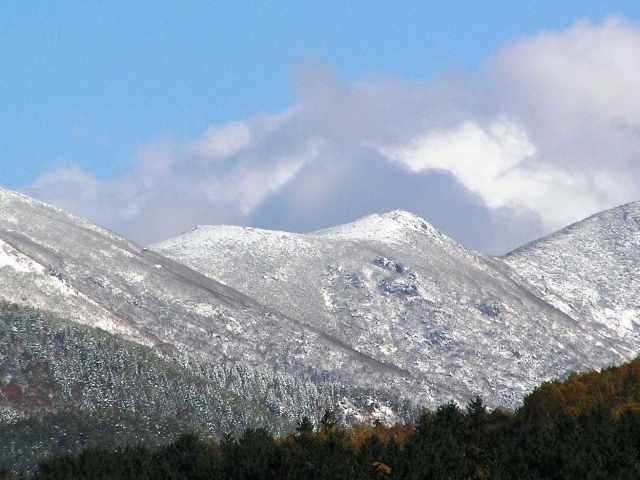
<point x="305" y="425"/>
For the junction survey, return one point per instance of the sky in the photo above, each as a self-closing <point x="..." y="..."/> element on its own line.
<point x="498" y="122"/>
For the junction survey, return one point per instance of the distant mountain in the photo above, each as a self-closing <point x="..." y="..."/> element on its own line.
<point x="590" y="271"/>
<point x="61" y="263"/>
<point x="451" y="322"/>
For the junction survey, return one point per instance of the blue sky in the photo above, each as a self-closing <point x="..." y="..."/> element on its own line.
<point x="141" y="115"/>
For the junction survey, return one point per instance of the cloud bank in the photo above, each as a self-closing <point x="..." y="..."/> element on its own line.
<point x="547" y="134"/>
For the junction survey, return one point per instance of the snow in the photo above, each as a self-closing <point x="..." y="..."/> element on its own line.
<point x="10" y="257"/>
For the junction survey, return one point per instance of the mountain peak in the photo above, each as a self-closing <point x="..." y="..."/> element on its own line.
<point x="397" y="226"/>
<point x="394" y="227"/>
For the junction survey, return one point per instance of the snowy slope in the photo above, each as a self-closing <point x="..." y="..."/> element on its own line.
<point x="387" y="302"/>
<point x="590" y="270"/>
<point x="56" y="261"/>
<point x="453" y="322"/>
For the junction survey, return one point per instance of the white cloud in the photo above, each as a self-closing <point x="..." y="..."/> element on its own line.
<point x="499" y="165"/>
<point x="221" y="177"/>
<point x="583" y="77"/>
<point x="547" y="134"/>
<point x="576" y="92"/>
<point x="478" y="159"/>
<point x="576" y="148"/>
<point x="221" y="142"/>
<point x="68" y="186"/>
<point x="247" y="188"/>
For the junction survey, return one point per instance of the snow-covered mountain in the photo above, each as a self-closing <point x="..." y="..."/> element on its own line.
<point x="590" y="270"/>
<point x="384" y="304"/>
<point x="453" y="323"/>
<point x="53" y="260"/>
<point x="63" y="264"/>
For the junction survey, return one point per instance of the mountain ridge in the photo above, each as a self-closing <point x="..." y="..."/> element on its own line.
<point x="298" y="274"/>
<point x="384" y="304"/>
<point x="135" y="271"/>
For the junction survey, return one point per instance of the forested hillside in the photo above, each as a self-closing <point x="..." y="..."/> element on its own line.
<point x="66" y="386"/>
<point x="585" y="427"/>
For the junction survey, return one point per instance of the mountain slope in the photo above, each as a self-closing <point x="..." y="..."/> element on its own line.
<point x="454" y="322"/>
<point x="56" y="261"/>
<point x="590" y="270"/>
<point x="56" y="375"/>
<point x="64" y="386"/>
